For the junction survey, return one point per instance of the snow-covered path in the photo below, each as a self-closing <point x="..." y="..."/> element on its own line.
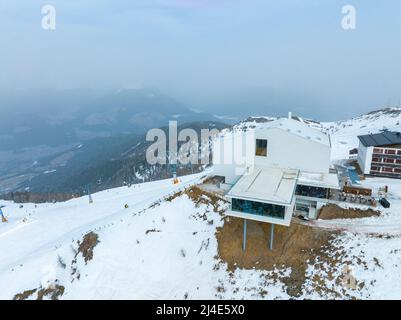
<point x="389" y="228"/>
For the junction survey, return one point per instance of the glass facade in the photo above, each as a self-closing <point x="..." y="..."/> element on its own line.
<point x="259" y="208"/>
<point x="313" y="192"/>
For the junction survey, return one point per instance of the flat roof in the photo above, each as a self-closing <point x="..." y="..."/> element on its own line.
<point x="380" y="139"/>
<point x="268" y="185"/>
<point x="322" y="180"/>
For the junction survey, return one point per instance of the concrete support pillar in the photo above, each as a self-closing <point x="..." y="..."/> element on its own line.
<point x="244" y="241"/>
<point x="271" y="237"/>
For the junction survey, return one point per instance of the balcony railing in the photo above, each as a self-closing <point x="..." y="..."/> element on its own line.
<point x="387" y="152"/>
<point x="385" y="174"/>
<point x="383" y="164"/>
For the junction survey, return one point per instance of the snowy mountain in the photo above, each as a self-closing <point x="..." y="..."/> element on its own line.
<point x="161" y="240"/>
<point x="343" y="134"/>
<point x="99" y="163"/>
<point x="43" y="133"/>
<point x="63" y="117"/>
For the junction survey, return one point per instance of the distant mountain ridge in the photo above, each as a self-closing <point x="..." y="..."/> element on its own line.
<point x="45" y="132"/>
<point x="99" y="164"/>
<point x="343" y="133"/>
<point x="60" y="118"/>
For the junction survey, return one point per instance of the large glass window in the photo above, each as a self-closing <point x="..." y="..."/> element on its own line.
<point x="259" y="208"/>
<point x="261" y="147"/>
<point x="313" y="192"/>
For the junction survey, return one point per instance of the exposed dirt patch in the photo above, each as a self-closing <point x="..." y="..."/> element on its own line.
<point x="24" y="295"/>
<point x="89" y="242"/>
<point x="332" y="211"/>
<point x="213" y="180"/>
<point x="199" y="196"/>
<point x="293" y="247"/>
<point x="53" y="292"/>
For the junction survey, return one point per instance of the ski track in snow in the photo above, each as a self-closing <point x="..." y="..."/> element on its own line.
<point x="16" y="229"/>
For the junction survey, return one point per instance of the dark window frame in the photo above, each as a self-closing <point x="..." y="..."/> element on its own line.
<point x="261" y="147"/>
<point x="312" y="192"/>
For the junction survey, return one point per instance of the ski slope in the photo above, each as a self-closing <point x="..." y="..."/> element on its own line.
<point x="155" y="249"/>
<point x="344" y="134"/>
<point x="35" y="231"/>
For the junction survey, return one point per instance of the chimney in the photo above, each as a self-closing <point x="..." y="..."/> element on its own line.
<point x="290" y="115"/>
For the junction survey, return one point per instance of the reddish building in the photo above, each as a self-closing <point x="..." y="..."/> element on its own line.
<point x="380" y="154"/>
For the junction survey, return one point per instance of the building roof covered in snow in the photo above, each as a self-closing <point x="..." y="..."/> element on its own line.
<point x="266" y="184"/>
<point x="298" y="128"/>
<point x="384" y="138"/>
<point x="321" y="180"/>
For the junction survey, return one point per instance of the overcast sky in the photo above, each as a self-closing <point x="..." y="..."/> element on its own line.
<point x="225" y="56"/>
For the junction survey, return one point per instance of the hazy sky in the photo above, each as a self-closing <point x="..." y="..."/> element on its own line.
<point x="225" y="56"/>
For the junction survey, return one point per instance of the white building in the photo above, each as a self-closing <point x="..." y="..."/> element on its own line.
<point x="380" y="154"/>
<point x="285" y="167"/>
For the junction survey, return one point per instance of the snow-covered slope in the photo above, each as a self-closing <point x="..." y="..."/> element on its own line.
<point x="160" y="247"/>
<point x="36" y="235"/>
<point x="343" y="134"/>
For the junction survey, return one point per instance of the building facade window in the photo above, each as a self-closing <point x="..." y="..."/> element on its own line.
<point x="261" y="147"/>
<point x="312" y="192"/>
<point x="258" y="208"/>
